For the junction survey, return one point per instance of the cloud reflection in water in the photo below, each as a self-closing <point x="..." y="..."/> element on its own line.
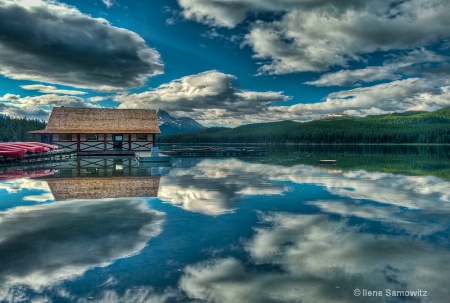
<point x="315" y="259"/>
<point x="45" y="244"/>
<point x="211" y="187"/>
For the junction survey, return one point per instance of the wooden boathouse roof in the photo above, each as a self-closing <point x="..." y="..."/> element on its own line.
<point x="67" y="120"/>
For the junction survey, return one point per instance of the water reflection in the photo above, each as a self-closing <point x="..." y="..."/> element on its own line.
<point x="315" y="259"/>
<point x="211" y="187"/>
<point x="45" y="244"/>
<point x="234" y="231"/>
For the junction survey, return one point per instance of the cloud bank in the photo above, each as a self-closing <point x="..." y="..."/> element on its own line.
<point x="316" y="35"/>
<point x="209" y="97"/>
<point x="55" y="43"/>
<point x="38" y="107"/>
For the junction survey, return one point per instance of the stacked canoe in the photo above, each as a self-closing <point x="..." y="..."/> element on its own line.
<point x="17" y="150"/>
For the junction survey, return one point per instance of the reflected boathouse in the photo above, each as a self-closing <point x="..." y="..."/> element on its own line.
<point x="99" y="178"/>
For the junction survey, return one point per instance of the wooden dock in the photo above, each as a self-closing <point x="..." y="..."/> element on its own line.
<point x="53" y="155"/>
<point x="108" y="153"/>
<point x="146" y="157"/>
<point x="215" y="152"/>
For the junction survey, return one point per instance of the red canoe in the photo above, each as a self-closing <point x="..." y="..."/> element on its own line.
<point x="28" y="148"/>
<point x="51" y="146"/>
<point x="12" y="153"/>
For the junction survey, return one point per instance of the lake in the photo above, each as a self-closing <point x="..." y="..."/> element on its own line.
<point x="374" y="227"/>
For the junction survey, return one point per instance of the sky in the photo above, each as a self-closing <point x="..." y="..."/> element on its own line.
<point x="225" y="62"/>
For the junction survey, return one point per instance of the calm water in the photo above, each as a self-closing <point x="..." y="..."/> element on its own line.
<point x="275" y="229"/>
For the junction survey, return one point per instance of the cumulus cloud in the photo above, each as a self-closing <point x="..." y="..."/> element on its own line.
<point x="98" y="98"/>
<point x="46" y="89"/>
<point x="57" y="242"/>
<point x="38" y="107"/>
<point x="55" y="43"/>
<point x="319" y="260"/>
<point x="208" y="97"/>
<point x="352" y="77"/>
<point x="108" y="3"/>
<point x="230" y="13"/>
<point x="316" y="35"/>
<point x="392" y="69"/>
<point x="396" y="96"/>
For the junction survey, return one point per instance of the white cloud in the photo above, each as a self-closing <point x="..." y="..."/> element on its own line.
<point x="51" y="42"/>
<point x="316" y="35"/>
<point x="352" y="77"/>
<point x="97" y="98"/>
<point x="38" y="107"/>
<point x="46" y="89"/>
<point x="392" y="69"/>
<point x="108" y="3"/>
<point x="60" y="244"/>
<point x="208" y="97"/>
<point x="396" y="96"/>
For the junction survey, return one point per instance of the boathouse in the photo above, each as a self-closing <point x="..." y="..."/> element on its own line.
<point x="93" y="130"/>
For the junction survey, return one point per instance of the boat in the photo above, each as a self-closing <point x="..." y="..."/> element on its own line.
<point x="28" y="147"/>
<point x="50" y="146"/>
<point x="14" y="153"/>
<point x="214" y="152"/>
<point x="327" y="161"/>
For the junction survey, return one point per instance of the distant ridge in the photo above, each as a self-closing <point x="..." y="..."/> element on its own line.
<point x="406" y="127"/>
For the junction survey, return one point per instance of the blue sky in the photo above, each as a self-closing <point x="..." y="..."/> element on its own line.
<point x="225" y="62"/>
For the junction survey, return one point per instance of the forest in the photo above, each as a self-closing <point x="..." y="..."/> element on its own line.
<point x="406" y="127"/>
<point x="15" y="129"/>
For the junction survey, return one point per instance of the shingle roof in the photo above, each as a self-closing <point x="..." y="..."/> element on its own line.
<point x="100" y="120"/>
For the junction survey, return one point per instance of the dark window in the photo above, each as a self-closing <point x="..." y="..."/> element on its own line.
<point x="66" y="172"/>
<point x="65" y="137"/>
<point x="142" y="137"/>
<point x="91" y="137"/>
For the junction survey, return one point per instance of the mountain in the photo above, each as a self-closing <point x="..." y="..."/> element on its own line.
<point x="170" y="125"/>
<point x="335" y="116"/>
<point x="406" y="127"/>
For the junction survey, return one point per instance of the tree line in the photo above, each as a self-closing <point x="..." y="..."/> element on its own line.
<point x="422" y="127"/>
<point x="15" y="129"/>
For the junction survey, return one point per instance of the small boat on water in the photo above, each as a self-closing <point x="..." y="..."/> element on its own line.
<point x="17" y="150"/>
<point x="327" y="161"/>
<point x="15" y="153"/>
<point x="214" y="152"/>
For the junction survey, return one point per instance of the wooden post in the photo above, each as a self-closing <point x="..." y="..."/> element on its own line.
<point x="154" y="140"/>
<point x="78" y="142"/>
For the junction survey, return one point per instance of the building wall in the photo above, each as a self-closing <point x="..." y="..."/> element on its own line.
<point x="104" y="142"/>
